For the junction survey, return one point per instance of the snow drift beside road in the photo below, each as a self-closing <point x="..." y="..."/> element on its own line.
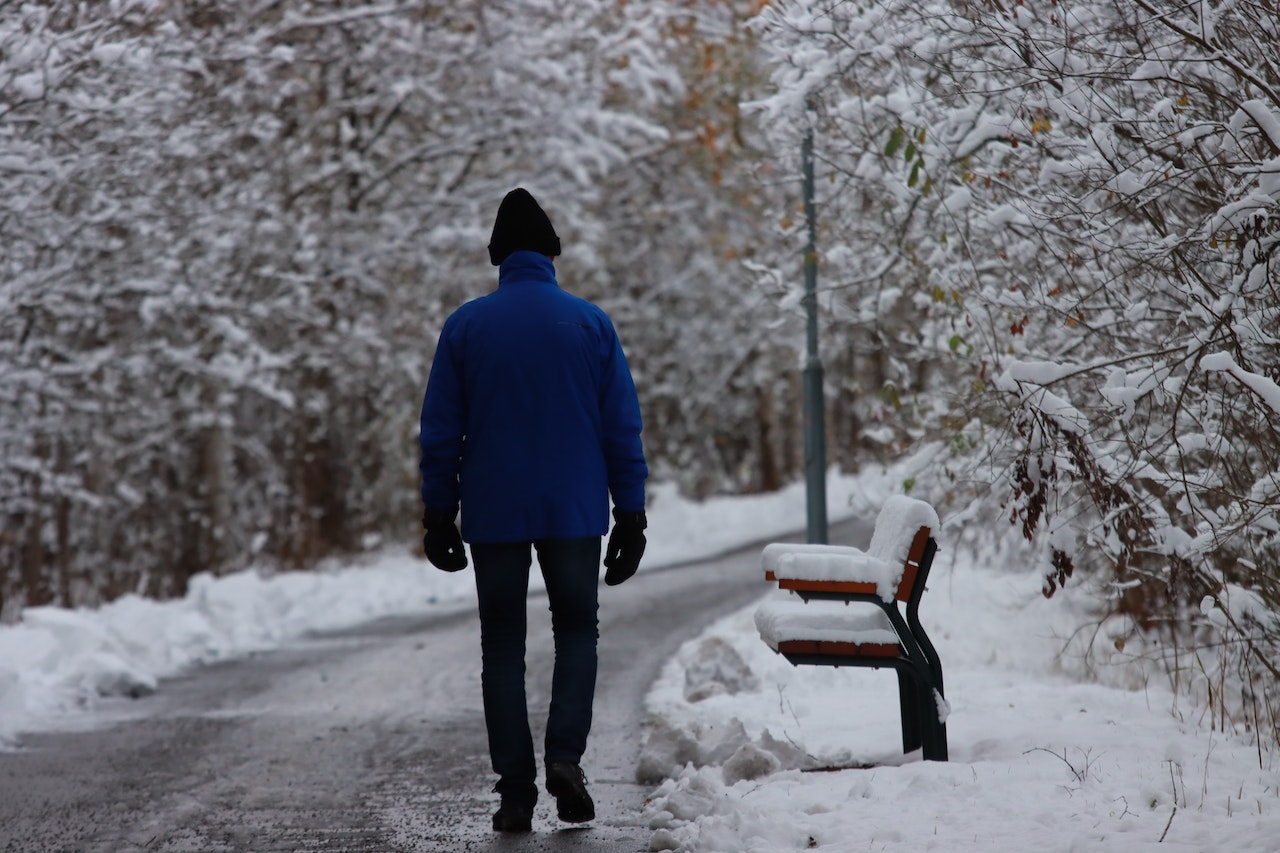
<point x="56" y="662"/>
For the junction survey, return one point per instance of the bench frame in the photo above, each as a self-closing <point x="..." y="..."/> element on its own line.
<point x="920" y="689"/>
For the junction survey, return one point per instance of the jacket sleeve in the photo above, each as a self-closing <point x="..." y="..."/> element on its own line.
<point x="441" y="428"/>
<point x="620" y="417"/>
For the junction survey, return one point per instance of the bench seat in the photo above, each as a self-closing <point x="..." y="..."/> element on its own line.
<point x="825" y="628"/>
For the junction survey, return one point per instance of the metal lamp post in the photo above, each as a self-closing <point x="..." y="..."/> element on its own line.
<point x="815" y="442"/>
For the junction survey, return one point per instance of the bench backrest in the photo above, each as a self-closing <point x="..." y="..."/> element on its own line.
<point x="911" y="565"/>
<point x="910" y="561"/>
<point x="897" y="528"/>
<point x="901" y="535"/>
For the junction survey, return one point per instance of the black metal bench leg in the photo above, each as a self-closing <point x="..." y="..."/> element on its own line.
<point x="909" y="696"/>
<point x="935" y="731"/>
<point x="940" y="751"/>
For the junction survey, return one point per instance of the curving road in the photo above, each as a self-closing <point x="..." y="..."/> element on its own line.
<point x="366" y="740"/>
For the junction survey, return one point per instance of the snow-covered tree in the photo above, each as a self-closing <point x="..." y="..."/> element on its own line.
<point x="1069" y="212"/>
<point x="230" y="232"/>
<point x="718" y="383"/>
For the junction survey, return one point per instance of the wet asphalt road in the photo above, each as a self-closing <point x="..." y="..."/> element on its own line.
<point x="366" y="740"/>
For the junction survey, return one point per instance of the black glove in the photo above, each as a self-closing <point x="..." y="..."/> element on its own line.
<point x="442" y="541"/>
<point x="626" y="546"/>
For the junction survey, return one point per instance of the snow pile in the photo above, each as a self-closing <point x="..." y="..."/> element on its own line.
<point x="55" y="661"/>
<point x="832" y="563"/>
<point x="823" y="559"/>
<point x="712" y="668"/>
<point x="1039" y="759"/>
<point x="784" y="618"/>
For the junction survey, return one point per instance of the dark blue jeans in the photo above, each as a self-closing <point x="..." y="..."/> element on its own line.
<point x="570" y="568"/>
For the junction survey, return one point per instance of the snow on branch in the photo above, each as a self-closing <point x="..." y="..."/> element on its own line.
<point x="1267" y="120"/>
<point x="1266" y="389"/>
<point x="1021" y="374"/>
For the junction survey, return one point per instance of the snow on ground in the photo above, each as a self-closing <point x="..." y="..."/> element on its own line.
<point x="56" y="663"/>
<point x="1043" y="758"/>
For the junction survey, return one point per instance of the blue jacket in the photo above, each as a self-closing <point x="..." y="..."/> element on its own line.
<point x="530" y="417"/>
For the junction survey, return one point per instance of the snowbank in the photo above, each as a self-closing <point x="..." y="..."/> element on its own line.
<point x="57" y="662"/>
<point x="1040" y="759"/>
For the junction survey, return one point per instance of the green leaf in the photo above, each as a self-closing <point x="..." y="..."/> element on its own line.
<point x="915" y="175"/>
<point x="910" y="153"/>
<point x="958" y="341"/>
<point x="895" y="141"/>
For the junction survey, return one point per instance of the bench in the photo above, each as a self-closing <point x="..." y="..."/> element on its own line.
<point x="815" y="623"/>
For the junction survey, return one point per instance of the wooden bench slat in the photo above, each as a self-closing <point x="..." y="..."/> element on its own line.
<point x="902" y="593"/>
<point x="837" y="649"/>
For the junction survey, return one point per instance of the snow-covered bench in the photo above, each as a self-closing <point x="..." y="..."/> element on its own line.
<point x="816" y="624"/>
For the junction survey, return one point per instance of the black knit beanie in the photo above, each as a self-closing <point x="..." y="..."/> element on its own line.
<point x="521" y="224"/>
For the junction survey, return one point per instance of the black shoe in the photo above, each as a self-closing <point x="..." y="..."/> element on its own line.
<point x="568" y="784"/>
<point x="511" y="817"/>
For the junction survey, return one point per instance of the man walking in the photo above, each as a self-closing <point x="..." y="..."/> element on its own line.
<point x="530" y="421"/>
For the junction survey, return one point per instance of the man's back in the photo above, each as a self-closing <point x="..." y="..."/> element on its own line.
<point x="536" y="380"/>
